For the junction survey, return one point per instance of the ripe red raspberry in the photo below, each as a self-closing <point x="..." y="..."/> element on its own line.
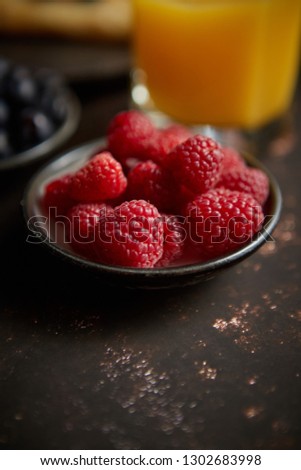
<point x="127" y="135"/>
<point x="164" y="141"/>
<point x="82" y="222"/>
<point x="248" y="180"/>
<point x="56" y="195"/>
<point x="197" y="163"/>
<point x="150" y="182"/>
<point x="221" y="221"/>
<point x="131" y="236"/>
<point x="175" y="134"/>
<point x="182" y="197"/>
<point x="174" y="237"/>
<point x="232" y="160"/>
<point x="99" y="179"/>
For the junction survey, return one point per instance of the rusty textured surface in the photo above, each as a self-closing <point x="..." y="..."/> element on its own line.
<point x="215" y="366"/>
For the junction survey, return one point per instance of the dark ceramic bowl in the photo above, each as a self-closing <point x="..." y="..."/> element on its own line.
<point x="51" y="144"/>
<point x="157" y="278"/>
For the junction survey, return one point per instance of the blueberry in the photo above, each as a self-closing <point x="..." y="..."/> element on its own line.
<point x="34" y="127"/>
<point x="5" y="147"/>
<point x="4" y="69"/>
<point x="55" y="104"/>
<point x="4" y="113"/>
<point x="49" y="81"/>
<point x="32" y="106"/>
<point x="4" y="66"/>
<point x="21" y="86"/>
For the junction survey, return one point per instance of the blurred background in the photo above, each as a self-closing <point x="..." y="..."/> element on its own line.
<point x="81" y="39"/>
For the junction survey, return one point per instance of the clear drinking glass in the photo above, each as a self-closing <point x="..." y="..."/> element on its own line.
<point x="228" y="67"/>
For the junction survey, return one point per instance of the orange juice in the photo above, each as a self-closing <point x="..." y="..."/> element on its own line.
<point x="221" y="62"/>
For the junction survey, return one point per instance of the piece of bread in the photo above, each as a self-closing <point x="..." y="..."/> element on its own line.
<point x="102" y="19"/>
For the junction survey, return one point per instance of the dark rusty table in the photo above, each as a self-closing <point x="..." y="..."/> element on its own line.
<point x="214" y="366"/>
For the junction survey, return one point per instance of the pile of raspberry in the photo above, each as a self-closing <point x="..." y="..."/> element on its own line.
<point x="158" y="197"/>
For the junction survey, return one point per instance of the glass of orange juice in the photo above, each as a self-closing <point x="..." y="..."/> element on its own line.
<point x="226" y="64"/>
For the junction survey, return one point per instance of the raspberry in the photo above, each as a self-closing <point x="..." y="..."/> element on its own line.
<point x="127" y="135"/>
<point x="83" y="221"/>
<point x="232" y="160"/>
<point x="56" y="195"/>
<point x="183" y="197"/>
<point x="197" y="163"/>
<point x="132" y="235"/>
<point x="248" y="180"/>
<point x="174" y="236"/>
<point x="150" y="182"/>
<point x="101" y="178"/>
<point x="164" y="141"/>
<point x="221" y="221"/>
<point x="175" y="135"/>
<point x="130" y="164"/>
